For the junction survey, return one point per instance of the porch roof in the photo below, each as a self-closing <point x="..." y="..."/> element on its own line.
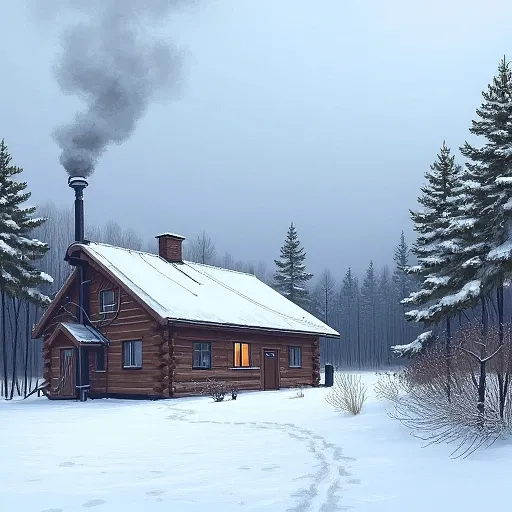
<point x="84" y="334"/>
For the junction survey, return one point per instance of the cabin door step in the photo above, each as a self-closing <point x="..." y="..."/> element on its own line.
<point x="270" y="369"/>
<point x="67" y="373"/>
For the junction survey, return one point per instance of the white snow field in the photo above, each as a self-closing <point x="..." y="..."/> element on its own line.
<point x="266" y="451"/>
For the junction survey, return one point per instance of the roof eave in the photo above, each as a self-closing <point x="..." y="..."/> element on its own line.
<point x="184" y="322"/>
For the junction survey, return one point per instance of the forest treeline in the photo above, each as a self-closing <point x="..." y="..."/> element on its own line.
<point x="456" y="272"/>
<point x="365" y="309"/>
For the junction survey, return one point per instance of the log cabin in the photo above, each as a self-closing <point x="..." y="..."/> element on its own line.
<point x="131" y="324"/>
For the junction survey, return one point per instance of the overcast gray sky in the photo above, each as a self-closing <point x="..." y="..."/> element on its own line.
<point x="324" y="113"/>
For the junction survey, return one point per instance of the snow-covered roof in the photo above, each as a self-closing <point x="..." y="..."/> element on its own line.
<point x="196" y="293"/>
<point x="84" y="333"/>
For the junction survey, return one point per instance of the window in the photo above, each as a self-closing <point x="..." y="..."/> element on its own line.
<point x="107" y="301"/>
<point x="242" y="355"/>
<point x="99" y="360"/>
<point x="132" y="354"/>
<point x="295" y="357"/>
<point x="202" y="358"/>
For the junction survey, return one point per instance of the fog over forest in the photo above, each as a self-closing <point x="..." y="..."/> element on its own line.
<point x="325" y="115"/>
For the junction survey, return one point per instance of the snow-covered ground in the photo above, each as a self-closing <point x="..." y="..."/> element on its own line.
<point x="266" y="451"/>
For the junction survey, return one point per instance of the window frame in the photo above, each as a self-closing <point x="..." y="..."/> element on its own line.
<point x="294" y="349"/>
<point x="202" y="349"/>
<point x="102" y="351"/>
<point x="105" y="308"/>
<point x="241" y="365"/>
<point x="133" y="353"/>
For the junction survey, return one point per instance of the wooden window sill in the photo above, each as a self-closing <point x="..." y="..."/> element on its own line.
<point x="246" y="368"/>
<point x="294" y="366"/>
<point x="132" y="367"/>
<point x="100" y="371"/>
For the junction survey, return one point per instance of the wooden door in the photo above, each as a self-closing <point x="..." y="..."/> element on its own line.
<point x="270" y="369"/>
<point x="67" y="372"/>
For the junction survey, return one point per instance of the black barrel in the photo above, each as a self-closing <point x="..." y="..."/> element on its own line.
<point x="329" y="375"/>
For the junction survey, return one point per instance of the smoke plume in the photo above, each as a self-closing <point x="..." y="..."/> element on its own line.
<point x="111" y="60"/>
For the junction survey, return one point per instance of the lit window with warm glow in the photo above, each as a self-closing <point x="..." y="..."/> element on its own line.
<point x="242" y="355"/>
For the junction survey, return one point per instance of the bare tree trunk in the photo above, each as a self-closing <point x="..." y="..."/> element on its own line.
<point x="349" y="323"/>
<point x="448" y="359"/>
<point x="484" y="315"/>
<point x="5" y="383"/>
<point x="358" y="333"/>
<point x="481" y="381"/>
<point x="34" y="358"/>
<point x="481" y="393"/>
<point x="326" y="306"/>
<point x="27" y="346"/>
<point x="481" y="385"/>
<point x="501" y="370"/>
<point x="16" y="309"/>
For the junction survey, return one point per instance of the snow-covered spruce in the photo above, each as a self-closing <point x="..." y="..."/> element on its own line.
<point x="18" y="251"/>
<point x="416" y="346"/>
<point x="438" y="250"/>
<point x="488" y="185"/>
<point x="490" y="201"/>
<point x="291" y="275"/>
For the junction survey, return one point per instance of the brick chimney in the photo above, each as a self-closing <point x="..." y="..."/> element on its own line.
<point x="170" y="247"/>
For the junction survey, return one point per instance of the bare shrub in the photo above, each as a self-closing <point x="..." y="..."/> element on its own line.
<point x="387" y="386"/>
<point x="300" y="391"/>
<point x="215" y="389"/>
<point x="348" y="393"/>
<point x="460" y="400"/>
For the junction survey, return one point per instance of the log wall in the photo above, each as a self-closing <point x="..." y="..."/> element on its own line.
<point x="188" y="381"/>
<point x="167" y="351"/>
<point x="130" y="323"/>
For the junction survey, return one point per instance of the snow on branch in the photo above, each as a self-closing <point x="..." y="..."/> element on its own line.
<point x="415" y="347"/>
<point x="504" y="180"/>
<point x="8" y="249"/>
<point x="468" y="293"/>
<point x="501" y="253"/>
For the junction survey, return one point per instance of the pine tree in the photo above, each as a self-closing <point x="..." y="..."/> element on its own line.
<point x="402" y="281"/>
<point x="489" y="186"/>
<point x="438" y="245"/>
<point x="18" y="251"/>
<point x="385" y="309"/>
<point x="19" y="277"/>
<point x="490" y="177"/>
<point x="325" y="307"/>
<point x="438" y="252"/>
<point x="324" y="297"/>
<point x="291" y="275"/>
<point x="401" y="278"/>
<point x="369" y="310"/>
<point x="350" y="318"/>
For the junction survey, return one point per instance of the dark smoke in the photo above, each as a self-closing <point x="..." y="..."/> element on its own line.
<point x="113" y="62"/>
